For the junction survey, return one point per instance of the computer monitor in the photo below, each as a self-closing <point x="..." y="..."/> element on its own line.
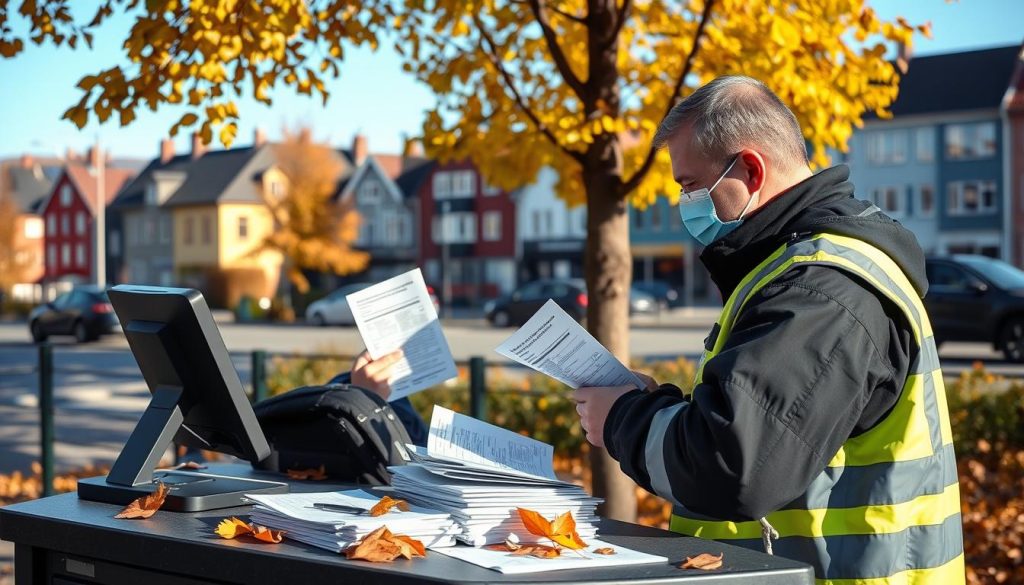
<point x="197" y="399"/>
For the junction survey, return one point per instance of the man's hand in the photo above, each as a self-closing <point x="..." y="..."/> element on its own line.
<point x="374" y="375"/>
<point x="651" y="383"/>
<point x="593" y="405"/>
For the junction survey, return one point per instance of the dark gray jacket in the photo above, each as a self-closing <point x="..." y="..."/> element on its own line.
<point x="815" y="357"/>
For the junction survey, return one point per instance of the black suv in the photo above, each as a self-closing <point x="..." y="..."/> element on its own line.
<point x="977" y="298"/>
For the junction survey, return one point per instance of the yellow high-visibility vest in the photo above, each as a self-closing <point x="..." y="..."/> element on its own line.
<point x="886" y="509"/>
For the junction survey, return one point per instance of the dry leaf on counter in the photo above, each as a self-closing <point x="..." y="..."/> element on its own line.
<point x="381" y="546"/>
<point x="233" y="527"/>
<point x="604" y="550"/>
<point x="542" y="551"/>
<point x="318" y="474"/>
<point x="562" y="530"/>
<point x="703" y="561"/>
<point x="267" y="535"/>
<point x="147" y="505"/>
<point x="386" y="504"/>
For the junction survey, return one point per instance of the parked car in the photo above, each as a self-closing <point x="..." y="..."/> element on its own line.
<point x="570" y="294"/>
<point x="976" y="298"/>
<point x="661" y="290"/>
<point x="333" y="309"/>
<point x="84" y="312"/>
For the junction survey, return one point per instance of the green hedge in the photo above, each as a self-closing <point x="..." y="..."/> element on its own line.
<point x="982" y="407"/>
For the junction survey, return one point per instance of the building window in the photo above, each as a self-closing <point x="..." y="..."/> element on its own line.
<point x="463" y="183"/>
<point x="276" y="189"/>
<point x="970" y="141"/>
<point x="65" y="196"/>
<point x="656" y="217"/>
<point x="114" y="244"/>
<point x="80" y="255"/>
<point x="165" y="229"/>
<point x="65" y="255"/>
<point x="491" y="190"/>
<point x="638" y="218"/>
<point x="190" y="229"/>
<point x="442" y="185"/>
<point x="887" y="147"/>
<point x="889" y="199"/>
<point x="65" y="224"/>
<point x="454" y="228"/>
<point x="150" y="196"/>
<point x="207" y="233"/>
<point x="549" y="222"/>
<point x="149" y="233"/>
<point x="492" y="226"/>
<point x="51" y="257"/>
<point x="51" y="225"/>
<point x="925" y="201"/>
<point x="924" y="144"/>
<point x="80" y="223"/>
<point x="535" y="223"/>
<point x="243" y="227"/>
<point x="971" y="198"/>
<point x="33" y="228"/>
<point x="370" y="191"/>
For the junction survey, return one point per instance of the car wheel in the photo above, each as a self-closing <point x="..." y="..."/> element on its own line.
<point x="80" y="332"/>
<point x="38" y="335"/>
<point x="1011" y="340"/>
<point x="500" y="319"/>
<point x="318" y="320"/>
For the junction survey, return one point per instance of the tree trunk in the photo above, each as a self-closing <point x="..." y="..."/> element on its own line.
<point x="608" y="266"/>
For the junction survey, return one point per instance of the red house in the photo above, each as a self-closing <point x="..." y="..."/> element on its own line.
<point x="467" y="230"/>
<point x="68" y="218"/>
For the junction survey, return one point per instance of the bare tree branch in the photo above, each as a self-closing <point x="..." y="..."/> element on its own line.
<point x="557" y="55"/>
<point x="620" y="20"/>
<point x="558" y="11"/>
<point x="634" y="181"/>
<point x="492" y="54"/>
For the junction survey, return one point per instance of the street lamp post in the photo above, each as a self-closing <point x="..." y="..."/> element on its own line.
<point x="446" y="281"/>
<point x="101" y="219"/>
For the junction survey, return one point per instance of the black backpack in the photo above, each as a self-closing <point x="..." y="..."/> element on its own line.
<point x="353" y="433"/>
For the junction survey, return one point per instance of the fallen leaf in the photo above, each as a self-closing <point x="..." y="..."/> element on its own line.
<point x="233" y="527"/>
<point x="267" y="535"/>
<point x="604" y="550"/>
<point x="381" y="546"/>
<point x="386" y="504"/>
<point x="147" y="505"/>
<point x="704" y="561"/>
<point x="561" y="531"/>
<point x="542" y="551"/>
<point x="318" y="474"/>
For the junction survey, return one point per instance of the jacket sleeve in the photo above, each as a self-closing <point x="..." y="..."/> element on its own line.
<point x="773" y="408"/>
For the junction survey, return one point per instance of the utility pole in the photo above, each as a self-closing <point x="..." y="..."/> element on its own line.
<point x="446" y="280"/>
<point x="100" y="222"/>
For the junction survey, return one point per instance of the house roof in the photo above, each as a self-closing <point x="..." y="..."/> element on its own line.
<point x="28" y="186"/>
<point x="415" y="173"/>
<point x="970" y="80"/>
<point x="85" y="182"/>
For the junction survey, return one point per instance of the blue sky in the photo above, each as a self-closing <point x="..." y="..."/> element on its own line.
<point x="372" y="95"/>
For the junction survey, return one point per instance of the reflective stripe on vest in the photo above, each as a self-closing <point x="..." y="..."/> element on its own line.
<point x="886" y="509"/>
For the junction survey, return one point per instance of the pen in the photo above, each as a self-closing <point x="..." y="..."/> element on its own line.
<point x="338" y="508"/>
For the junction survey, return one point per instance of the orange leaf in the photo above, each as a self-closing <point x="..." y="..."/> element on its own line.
<point x="267" y="535"/>
<point x="310" y="474"/>
<point x="147" y="505"/>
<point x="233" y="527"/>
<point x="704" y="561"/>
<point x="386" y="504"/>
<point x="541" y="551"/>
<point x="604" y="550"/>
<point x="561" y="531"/>
<point x="381" y="546"/>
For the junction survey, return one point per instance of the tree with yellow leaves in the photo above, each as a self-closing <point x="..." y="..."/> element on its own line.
<point x="578" y="85"/>
<point x="311" y="230"/>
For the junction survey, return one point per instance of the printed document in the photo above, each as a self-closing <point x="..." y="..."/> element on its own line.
<point x="510" y="564"/>
<point x="398" y="314"/>
<point x="553" y="343"/>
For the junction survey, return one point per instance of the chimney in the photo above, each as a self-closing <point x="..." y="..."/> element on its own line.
<point x="904" y="54"/>
<point x="198" y="148"/>
<point x="360" y="149"/>
<point x="166" y="150"/>
<point x="26" y="161"/>
<point x="95" y="157"/>
<point x="413" y="148"/>
<point x="259" y="137"/>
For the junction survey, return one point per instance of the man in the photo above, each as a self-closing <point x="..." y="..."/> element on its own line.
<point x="818" y="404"/>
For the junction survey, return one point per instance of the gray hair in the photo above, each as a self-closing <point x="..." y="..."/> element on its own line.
<point x="734" y="112"/>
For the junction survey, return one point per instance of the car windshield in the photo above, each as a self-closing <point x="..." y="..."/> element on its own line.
<point x="1000" y="273"/>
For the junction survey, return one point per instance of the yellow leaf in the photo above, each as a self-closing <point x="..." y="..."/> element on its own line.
<point x="233" y="527"/>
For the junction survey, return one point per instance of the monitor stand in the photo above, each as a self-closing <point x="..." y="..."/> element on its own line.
<point x="134" y="473"/>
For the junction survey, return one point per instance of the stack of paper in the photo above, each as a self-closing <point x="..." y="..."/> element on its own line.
<point x="480" y="474"/>
<point x="333" y="530"/>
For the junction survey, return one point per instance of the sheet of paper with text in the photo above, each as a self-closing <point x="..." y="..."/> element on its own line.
<point x="553" y="343"/>
<point x="398" y="313"/>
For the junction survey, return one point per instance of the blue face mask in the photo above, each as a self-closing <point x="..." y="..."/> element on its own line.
<point x="699" y="216"/>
